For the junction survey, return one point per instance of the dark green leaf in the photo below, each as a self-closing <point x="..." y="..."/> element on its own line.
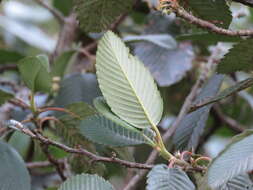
<point x="192" y="126"/>
<point x="34" y="72"/>
<point x="239" y="58"/>
<point x="86" y="182"/>
<point x="163" y="178"/>
<point x="8" y="56"/>
<point x="65" y="6"/>
<point x="97" y="15"/>
<point x="13" y="172"/>
<point x="215" y="11"/>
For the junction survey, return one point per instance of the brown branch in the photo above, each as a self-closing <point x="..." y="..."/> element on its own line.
<point x="58" y="165"/>
<point x="43" y="164"/>
<point x="8" y="67"/>
<point x="53" y="11"/>
<point x="79" y="150"/>
<point x="66" y="36"/>
<point x="19" y="103"/>
<point x="230" y="122"/>
<point x="181" y="12"/>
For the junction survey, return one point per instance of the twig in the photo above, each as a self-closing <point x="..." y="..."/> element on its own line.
<point x="79" y="150"/>
<point x="181" y="12"/>
<point x="231" y="123"/>
<point x="42" y="164"/>
<point x="54" y="12"/>
<point x="19" y="103"/>
<point x="8" y="67"/>
<point x="58" y="165"/>
<point x="66" y="36"/>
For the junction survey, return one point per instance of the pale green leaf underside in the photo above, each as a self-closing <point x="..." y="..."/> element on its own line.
<point x="163" y="178"/>
<point x="86" y="182"/>
<point x="237" y="158"/>
<point x="126" y="84"/>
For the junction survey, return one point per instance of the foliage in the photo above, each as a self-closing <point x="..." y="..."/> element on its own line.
<point x="99" y="86"/>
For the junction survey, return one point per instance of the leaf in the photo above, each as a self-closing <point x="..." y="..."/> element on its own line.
<point x="215" y="11"/>
<point x="224" y="94"/>
<point x="126" y="84"/>
<point x="163" y="178"/>
<point x="61" y="63"/>
<point x="103" y="131"/>
<point x="5" y="96"/>
<point x="34" y="72"/>
<point x="107" y="129"/>
<point x="234" y="160"/>
<point x="166" y="66"/>
<point x="86" y="182"/>
<point x="77" y="88"/>
<point x="192" y="126"/>
<point x="13" y="172"/>
<point x="8" y="56"/>
<point x="239" y="58"/>
<point x="65" y="6"/>
<point x="20" y="142"/>
<point x="97" y="15"/>
<point x="240" y="182"/>
<point x="162" y="40"/>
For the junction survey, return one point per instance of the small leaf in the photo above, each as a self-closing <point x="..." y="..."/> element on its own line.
<point x="239" y="58"/>
<point x="162" y="40"/>
<point x="34" y="72"/>
<point x="61" y="63"/>
<point x="86" y="182"/>
<point x="192" y="126"/>
<point x="126" y="84"/>
<point x="234" y="160"/>
<point x="13" y="172"/>
<point x="5" y="96"/>
<point x="163" y="178"/>
<point x="97" y="15"/>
